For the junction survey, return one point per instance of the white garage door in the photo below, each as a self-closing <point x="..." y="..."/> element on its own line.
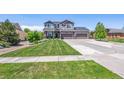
<point x="67" y="36"/>
<point x="81" y="36"/>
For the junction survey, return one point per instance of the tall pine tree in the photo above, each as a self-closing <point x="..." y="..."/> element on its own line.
<point x="8" y="33"/>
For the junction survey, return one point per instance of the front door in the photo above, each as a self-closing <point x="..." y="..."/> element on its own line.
<point x="49" y="34"/>
<point x="56" y="34"/>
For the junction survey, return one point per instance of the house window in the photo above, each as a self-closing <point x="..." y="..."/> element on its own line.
<point x="48" y="25"/>
<point x="58" y="25"/>
<point x="63" y="25"/>
<point x="69" y="26"/>
<point x="49" y="34"/>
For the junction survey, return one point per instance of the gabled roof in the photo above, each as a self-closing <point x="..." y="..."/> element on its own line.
<point x="67" y="21"/>
<point x="58" y="22"/>
<point x="17" y="26"/>
<point x="81" y="28"/>
<point x="114" y="30"/>
<point x="48" y="22"/>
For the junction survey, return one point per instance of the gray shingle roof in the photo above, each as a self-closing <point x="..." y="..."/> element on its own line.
<point x="67" y="21"/>
<point x="81" y="28"/>
<point x="58" y="22"/>
<point x="114" y="30"/>
<point x="17" y="26"/>
<point x="48" y="22"/>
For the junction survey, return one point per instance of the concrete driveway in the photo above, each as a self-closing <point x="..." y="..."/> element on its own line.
<point x="110" y="55"/>
<point x="22" y="44"/>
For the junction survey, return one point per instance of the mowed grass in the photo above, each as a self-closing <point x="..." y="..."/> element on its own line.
<point x="47" y="48"/>
<point x="56" y="70"/>
<point x="117" y="40"/>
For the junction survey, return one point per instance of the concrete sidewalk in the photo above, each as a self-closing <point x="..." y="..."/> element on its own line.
<point x="42" y="59"/>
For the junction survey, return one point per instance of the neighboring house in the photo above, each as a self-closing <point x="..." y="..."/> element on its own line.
<point x="115" y="33"/>
<point x="64" y="30"/>
<point x="19" y="31"/>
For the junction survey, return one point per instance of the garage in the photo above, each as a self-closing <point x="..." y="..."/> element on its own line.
<point x="81" y="36"/>
<point x="67" y="36"/>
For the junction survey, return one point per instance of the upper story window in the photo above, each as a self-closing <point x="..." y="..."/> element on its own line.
<point x="69" y="25"/>
<point x="49" y="25"/>
<point x="58" y="25"/>
<point x="63" y="25"/>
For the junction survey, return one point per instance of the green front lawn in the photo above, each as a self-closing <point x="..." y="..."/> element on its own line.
<point x="56" y="70"/>
<point x="47" y="48"/>
<point x="117" y="40"/>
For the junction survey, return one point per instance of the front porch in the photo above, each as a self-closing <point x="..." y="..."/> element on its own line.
<point x="52" y="34"/>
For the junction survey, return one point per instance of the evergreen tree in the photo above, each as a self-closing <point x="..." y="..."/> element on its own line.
<point x="8" y="33"/>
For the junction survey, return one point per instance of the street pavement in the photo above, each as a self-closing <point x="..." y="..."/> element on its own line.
<point x="109" y="55"/>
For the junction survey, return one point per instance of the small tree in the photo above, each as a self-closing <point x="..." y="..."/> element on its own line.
<point x="33" y="36"/>
<point x="92" y="34"/>
<point x="41" y="35"/>
<point x="26" y="30"/>
<point x="8" y="33"/>
<point x="100" y="31"/>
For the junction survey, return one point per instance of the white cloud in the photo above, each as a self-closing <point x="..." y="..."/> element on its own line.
<point x="34" y="27"/>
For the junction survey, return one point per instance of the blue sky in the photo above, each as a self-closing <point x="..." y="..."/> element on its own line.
<point x="35" y="21"/>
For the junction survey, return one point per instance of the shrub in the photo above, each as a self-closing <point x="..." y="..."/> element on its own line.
<point x="4" y="44"/>
<point x="26" y="30"/>
<point x="41" y="35"/>
<point x="14" y="40"/>
<point x="33" y="36"/>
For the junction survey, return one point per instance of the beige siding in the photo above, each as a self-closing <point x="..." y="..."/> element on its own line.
<point x="22" y="35"/>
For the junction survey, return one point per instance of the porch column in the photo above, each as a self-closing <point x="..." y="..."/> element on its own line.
<point x="60" y="34"/>
<point x="53" y="34"/>
<point x="45" y="34"/>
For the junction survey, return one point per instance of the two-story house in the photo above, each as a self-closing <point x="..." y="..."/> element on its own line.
<point x="64" y="30"/>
